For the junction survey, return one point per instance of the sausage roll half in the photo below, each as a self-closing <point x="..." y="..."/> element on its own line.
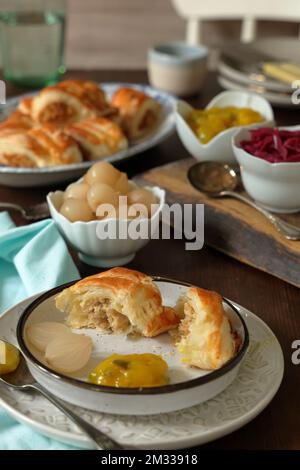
<point x="119" y="300"/>
<point x="206" y="340"/>
<point x="138" y="112"/>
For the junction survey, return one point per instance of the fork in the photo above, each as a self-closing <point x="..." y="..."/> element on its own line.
<point x="36" y="212"/>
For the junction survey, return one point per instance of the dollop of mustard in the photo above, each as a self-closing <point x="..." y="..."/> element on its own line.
<point x="207" y="123"/>
<point x="131" y="370"/>
<point x="9" y="358"/>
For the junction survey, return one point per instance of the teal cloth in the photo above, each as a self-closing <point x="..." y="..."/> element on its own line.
<point x="33" y="258"/>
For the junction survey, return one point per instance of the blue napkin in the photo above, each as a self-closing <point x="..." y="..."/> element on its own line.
<point x="33" y="258"/>
<point x="16" y="436"/>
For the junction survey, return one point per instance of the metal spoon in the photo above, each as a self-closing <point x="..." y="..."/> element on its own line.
<point x="36" y="212"/>
<point x="220" y="180"/>
<point x="22" y="380"/>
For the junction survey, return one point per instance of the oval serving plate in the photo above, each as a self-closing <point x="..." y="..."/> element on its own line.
<point x="28" y="177"/>
<point x="188" y="385"/>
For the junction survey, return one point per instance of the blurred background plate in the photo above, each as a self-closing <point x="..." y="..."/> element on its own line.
<point x="277" y="99"/>
<point x="241" y="66"/>
<point x="29" y="177"/>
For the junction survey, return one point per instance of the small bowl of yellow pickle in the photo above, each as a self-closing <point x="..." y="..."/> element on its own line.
<point x="207" y="133"/>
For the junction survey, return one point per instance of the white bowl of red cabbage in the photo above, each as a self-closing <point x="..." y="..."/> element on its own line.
<point x="269" y="159"/>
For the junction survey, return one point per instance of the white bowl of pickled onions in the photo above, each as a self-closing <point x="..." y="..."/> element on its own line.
<point x="106" y="217"/>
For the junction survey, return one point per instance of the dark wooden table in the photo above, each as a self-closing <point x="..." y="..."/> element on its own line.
<point x="277" y="303"/>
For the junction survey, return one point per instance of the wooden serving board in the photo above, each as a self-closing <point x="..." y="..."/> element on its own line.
<point x="231" y="226"/>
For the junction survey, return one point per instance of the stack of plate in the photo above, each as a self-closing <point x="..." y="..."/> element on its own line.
<point x="240" y="68"/>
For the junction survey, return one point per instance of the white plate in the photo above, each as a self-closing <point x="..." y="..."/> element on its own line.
<point x="248" y="72"/>
<point x="278" y="99"/>
<point x="188" y="385"/>
<point x="258" y="381"/>
<point x="28" y="177"/>
<point x="238" y="76"/>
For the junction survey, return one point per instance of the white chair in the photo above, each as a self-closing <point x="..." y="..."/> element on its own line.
<point x="249" y="11"/>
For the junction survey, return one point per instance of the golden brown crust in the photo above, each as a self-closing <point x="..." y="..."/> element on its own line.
<point x="166" y="321"/>
<point x="120" y="278"/>
<point x="120" y="273"/>
<point x="211" y="302"/>
<point x="138" y="111"/>
<point x="39" y="147"/>
<point x="117" y="298"/>
<point x="16" y="123"/>
<point x="86" y="91"/>
<point x="128" y="99"/>
<point x="98" y="137"/>
<point x="206" y="340"/>
<point x="13" y="151"/>
<point x="69" y="101"/>
<point x="16" y="160"/>
<point x="56" y="113"/>
<point x="25" y="106"/>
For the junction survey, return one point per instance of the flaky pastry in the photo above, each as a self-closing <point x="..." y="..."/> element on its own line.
<point x="206" y="339"/>
<point x="119" y="300"/>
<point x="16" y="123"/>
<point x="98" y="137"/>
<point x="39" y="147"/>
<point x="25" y="105"/>
<point x="69" y="101"/>
<point x="138" y="111"/>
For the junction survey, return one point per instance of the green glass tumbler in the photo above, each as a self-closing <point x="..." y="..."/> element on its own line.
<point x="32" y="36"/>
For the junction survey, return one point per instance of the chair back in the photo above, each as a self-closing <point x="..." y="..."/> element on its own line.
<point x="249" y="11"/>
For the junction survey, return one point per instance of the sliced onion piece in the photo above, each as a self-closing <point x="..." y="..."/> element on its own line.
<point x="69" y="353"/>
<point x="41" y="334"/>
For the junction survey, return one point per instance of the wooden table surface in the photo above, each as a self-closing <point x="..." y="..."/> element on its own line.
<point x="276" y="302"/>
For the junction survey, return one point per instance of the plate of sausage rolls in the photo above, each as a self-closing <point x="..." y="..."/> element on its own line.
<point x="54" y="135"/>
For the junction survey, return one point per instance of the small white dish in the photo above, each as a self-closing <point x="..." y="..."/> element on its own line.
<point x="275" y="186"/>
<point x="111" y="251"/>
<point x="219" y="149"/>
<point x="257" y="382"/>
<point x="177" y="67"/>
<point x="188" y="386"/>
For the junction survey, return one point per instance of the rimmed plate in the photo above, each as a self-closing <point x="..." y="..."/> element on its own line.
<point x="188" y="385"/>
<point x="278" y="99"/>
<point x="28" y="177"/>
<point x="256" y="384"/>
<point x="227" y="70"/>
<point x="240" y="68"/>
<point x="243" y="62"/>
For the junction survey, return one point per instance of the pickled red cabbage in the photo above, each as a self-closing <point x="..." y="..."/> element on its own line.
<point x="273" y="145"/>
